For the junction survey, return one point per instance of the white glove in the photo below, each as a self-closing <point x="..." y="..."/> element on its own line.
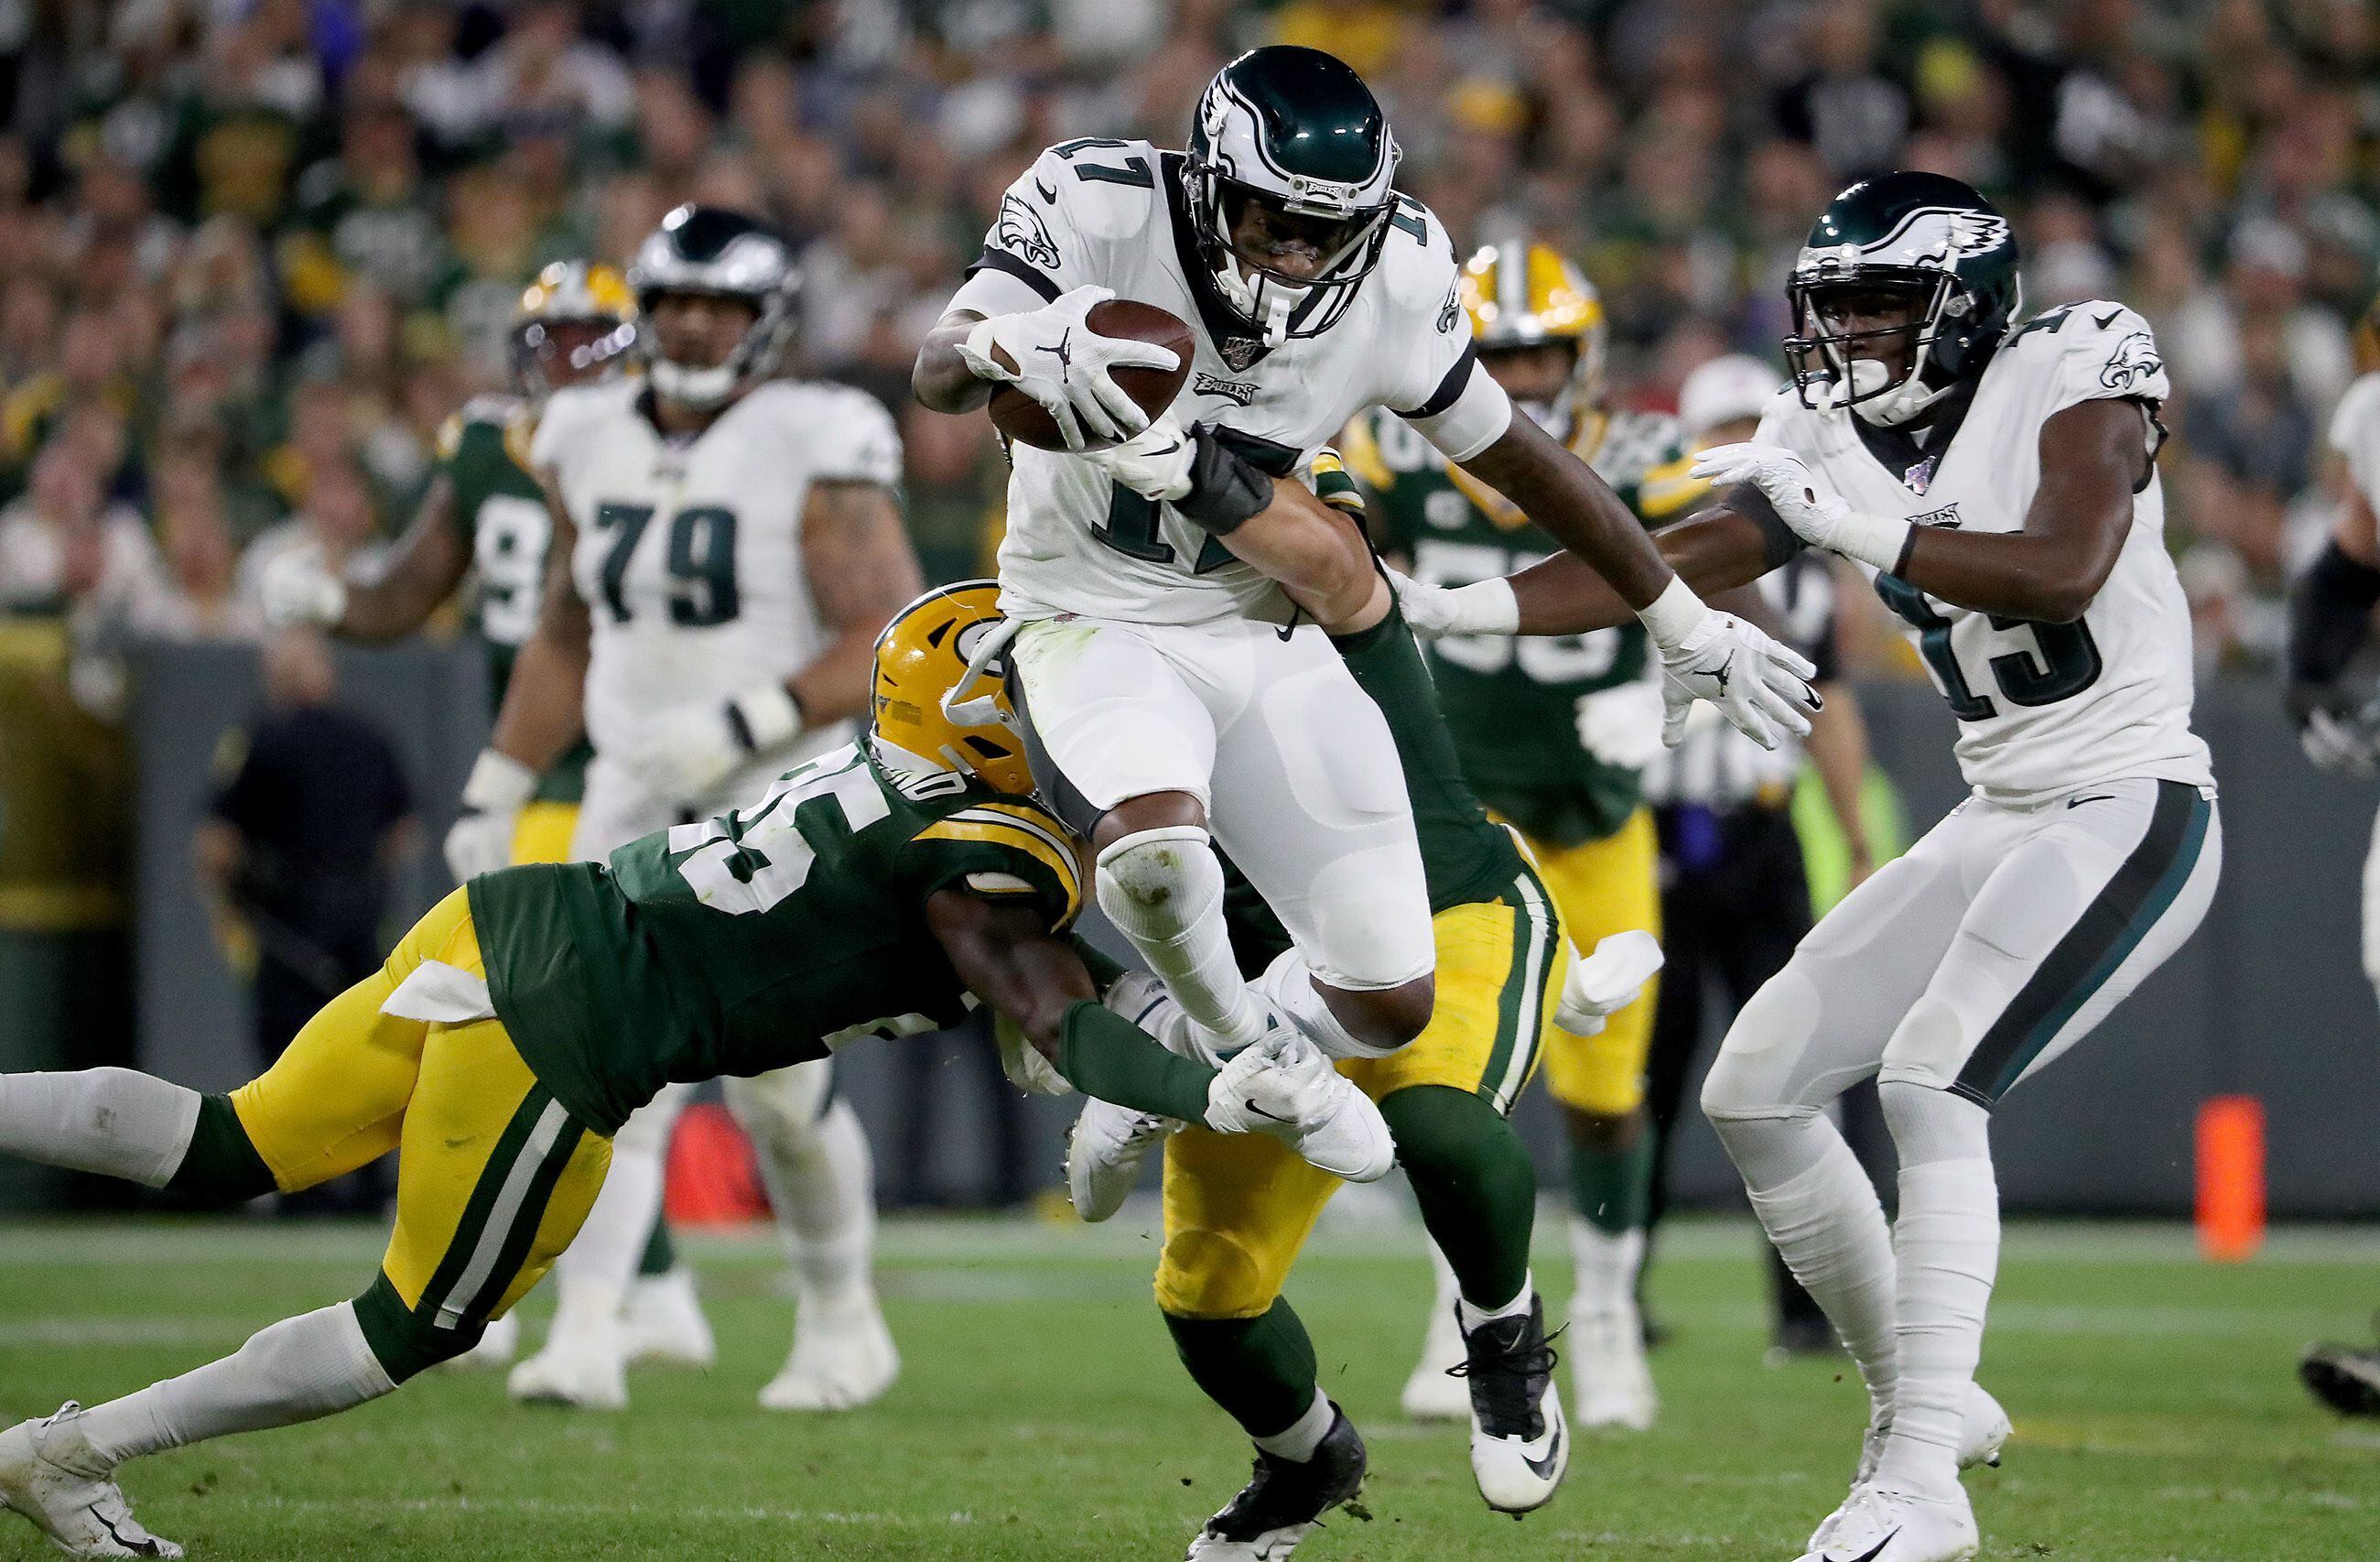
<point x="1759" y="686"/>
<point x="1154" y="463"/>
<point x="2340" y="743"/>
<point x="1623" y="727"/>
<point x="1023" y="1062"/>
<point x="1067" y="368"/>
<point x="1602" y="983"/>
<point x="683" y="754"/>
<point x="1815" y="512"/>
<point x="1486" y="608"/>
<point x="481" y="840"/>
<point x="300" y="589"/>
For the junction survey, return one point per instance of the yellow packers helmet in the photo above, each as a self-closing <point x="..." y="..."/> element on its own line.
<point x="574" y="322"/>
<point x="1520" y="295"/>
<point x="939" y="700"/>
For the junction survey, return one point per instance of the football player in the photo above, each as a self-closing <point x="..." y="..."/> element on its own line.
<point x="1998" y="482"/>
<point x="2330" y="622"/>
<point x="881" y="889"/>
<point x="1234" y="1221"/>
<point x="1553" y="735"/>
<point x="1165" y="672"/>
<point x="485" y="513"/>
<point x="725" y="547"/>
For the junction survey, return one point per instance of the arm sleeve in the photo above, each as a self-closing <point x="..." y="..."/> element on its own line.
<point x="1036" y="247"/>
<point x="1008" y="850"/>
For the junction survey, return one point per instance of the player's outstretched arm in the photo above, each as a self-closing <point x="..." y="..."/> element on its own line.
<point x="2094" y="457"/>
<point x="1008" y="957"/>
<point x="1562" y="494"/>
<point x="940" y="379"/>
<point x="424" y="568"/>
<point x="2330" y="620"/>
<point x="861" y="570"/>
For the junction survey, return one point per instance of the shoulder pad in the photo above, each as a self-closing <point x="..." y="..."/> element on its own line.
<point x="1419" y="270"/>
<point x="2355" y="425"/>
<point x="1101" y="188"/>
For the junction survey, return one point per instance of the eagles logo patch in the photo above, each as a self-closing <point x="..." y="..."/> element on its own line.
<point x="1241" y="391"/>
<point x="1022" y="231"/>
<point x="2134" y="363"/>
<point x="1451" y="310"/>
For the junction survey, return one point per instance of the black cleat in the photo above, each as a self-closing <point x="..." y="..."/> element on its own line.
<point x="1519" y="1442"/>
<point x="2346" y="1379"/>
<point x="1284" y="1500"/>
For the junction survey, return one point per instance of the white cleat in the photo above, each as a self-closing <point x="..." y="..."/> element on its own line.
<point x="1284" y="1086"/>
<point x="496" y="1348"/>
<point x="1613" y="1379"/>
<point x="1878" y="1525"/>
<point x="47" y="1474"/>
<point x="1434" y="1392"/>
<point x="1105" y="1152"/>
<point x="1520" y="1448"/>
<point x="663" y="1323"/>
<point x="583" y="1369"/>
<point x="1984" y="1430"/>
<point x="842" y="1357"/>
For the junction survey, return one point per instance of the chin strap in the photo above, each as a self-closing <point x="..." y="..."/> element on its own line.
<point x="984" y="708"/>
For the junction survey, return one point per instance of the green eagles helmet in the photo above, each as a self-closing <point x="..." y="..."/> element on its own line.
<point x="1297" y="132"/>
<point x="712" y="250"/>
<point x="1932" y="238"/>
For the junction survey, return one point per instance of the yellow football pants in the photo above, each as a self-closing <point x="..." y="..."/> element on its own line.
<point x="542" y="832"/>
<point x="1604" y="887"/>
<point x="1239" y="1207"/>
<point x="494" y="1176"/>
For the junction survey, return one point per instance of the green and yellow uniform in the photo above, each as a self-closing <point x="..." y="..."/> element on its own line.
<point x="1238" y="1208"/>
<point x="1514" y="703"/>
<point x="483" y="453"/>
<point x="564" y="995"/>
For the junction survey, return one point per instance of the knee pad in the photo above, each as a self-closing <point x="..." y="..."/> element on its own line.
<point x="1930" y="1124"/>
<point x="1211" y="1274"/>
<point x="784" y="1106"/>
<point x="1157" y="882"/>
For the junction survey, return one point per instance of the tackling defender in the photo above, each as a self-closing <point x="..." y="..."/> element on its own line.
<point x="725" y="547"/>
<point x="878" y="890"/>
<point x="1164" y="669"/>
<point x="485" y="513"/>
<point x="1999" y="482"/>
<point x="1553" y="735"/>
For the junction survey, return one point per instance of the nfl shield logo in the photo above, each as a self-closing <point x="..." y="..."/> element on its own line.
<point x="1918" y="476"/>
<point x="1241" y="352"/>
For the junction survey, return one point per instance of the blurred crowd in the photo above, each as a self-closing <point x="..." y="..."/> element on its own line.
<point x="252" y="253"/>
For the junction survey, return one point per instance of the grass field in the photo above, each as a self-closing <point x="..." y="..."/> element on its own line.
<point x="1040" y="1414"/>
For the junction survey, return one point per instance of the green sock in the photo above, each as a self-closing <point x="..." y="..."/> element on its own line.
<point x="1471" y="1178"/>
<point x="1103" y="1054"/>
<point x="1259" y="1370"/>
<point x="1613" y="1188"/>
<point x="661" y="1253"/>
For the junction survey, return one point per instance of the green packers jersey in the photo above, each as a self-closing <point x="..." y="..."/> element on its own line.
<point x="766" y="937"/>
<point x="501" y="512"/>
<point x="1512" y="704"/>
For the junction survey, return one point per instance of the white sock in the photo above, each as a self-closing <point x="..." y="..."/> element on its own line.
<point x="1163" y="889"/>
<point x="296" y="1369"/>
<point x="593" y="1277"/>
<point x="1304" y="1434"/>
<point x="1472" y="1317"/>
<point x="1819" y="1208"/>
<point x="1287" y="985"/>
<point x="821" y="1183"/>
<point x="113" y="1121"/>
<point x="1947" y="1240"/>
<point x="1606" y="1266"/>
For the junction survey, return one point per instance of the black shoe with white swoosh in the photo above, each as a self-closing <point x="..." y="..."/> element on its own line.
<point x="1285" y="1499"/>
<point x="1519" y="1440"/>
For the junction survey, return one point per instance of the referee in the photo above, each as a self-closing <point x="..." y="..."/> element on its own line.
<point x="1735" y="900"/>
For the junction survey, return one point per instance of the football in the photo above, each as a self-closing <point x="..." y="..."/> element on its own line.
<point x="1021" y="418"/>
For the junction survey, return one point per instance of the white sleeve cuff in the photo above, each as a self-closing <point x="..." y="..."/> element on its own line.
<point x="1485" y="607"/>
<point x="1873" y="539"/>
<point x="1674" y="614"/>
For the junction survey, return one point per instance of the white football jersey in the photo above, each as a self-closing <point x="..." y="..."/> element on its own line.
<point x="2355" y="433"/>
<point x="1112" y="213"/>
<point x="2042" y="707"/>
<point x="689" y="551"/>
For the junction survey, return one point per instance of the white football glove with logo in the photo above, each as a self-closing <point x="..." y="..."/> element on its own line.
<point x="683" y="754"/>
<point x="1066" y="367"/>
<point x="2340" y="742"/>
<point x="1602" y="983"/>
<point x="1154" y="463"/>
<point x="481" y="840"/>
<point x="1817" y="515"/>
<point x="1762" y="688"/>
<point x="299" y="590"/>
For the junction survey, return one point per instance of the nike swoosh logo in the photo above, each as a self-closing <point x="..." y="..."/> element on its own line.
<point x="1051" y="196"/>
<point x="1871" y="1555"/>
<point x="1545" y="1468"/>
<point x="1268" y="1117"/>
<point x="2096" y="797"/>
<point x="2101" y="322"/>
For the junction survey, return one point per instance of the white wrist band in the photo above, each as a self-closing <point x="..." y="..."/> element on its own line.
<point x="765" y="717"/>
<point x="498" y="782"/>
<point x="1674" y="614"/>
<point x="1874" y="539"/>
<point x="977" y="351"/>
<point x="1486" y="608"/>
